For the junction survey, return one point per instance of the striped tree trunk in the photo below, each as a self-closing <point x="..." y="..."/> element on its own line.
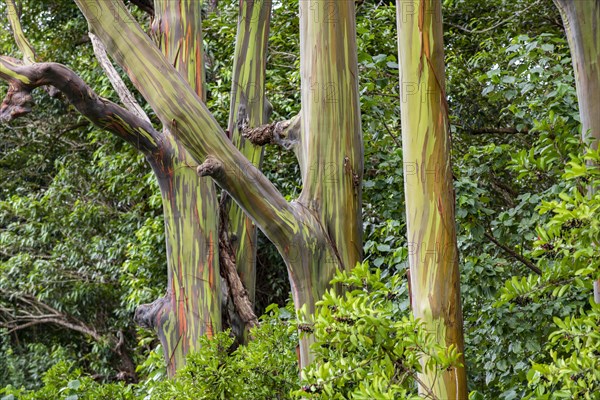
<point x="433" y="253"/>
<point x="192" y="306"/>
<point x="249" y="108"/>
<point x="322" y="229"/>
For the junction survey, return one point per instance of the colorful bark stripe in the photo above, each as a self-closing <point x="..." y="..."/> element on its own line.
<point x="433" y="254"/>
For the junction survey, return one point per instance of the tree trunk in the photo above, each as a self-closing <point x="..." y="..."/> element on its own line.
<point x="316" y="234"/>
<point x="192" y="305"/>
<point x="249" y="108"/>
<point x="433" y="253"/>
<point x="330" y="151"/>
<point x="582" y="26"/>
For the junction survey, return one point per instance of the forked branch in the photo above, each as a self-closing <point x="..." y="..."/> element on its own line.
<point x="187" y="118"/>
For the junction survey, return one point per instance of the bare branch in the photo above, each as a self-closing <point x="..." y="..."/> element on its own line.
<point x="30" y="311"/>
<point x="496" y="25"/>
<point x="526" y="262"/>
<point x="144" y="5"/>
<point x="493" y="130"/>
<point x="117" y="83"/>
<point x="283" y="133"/>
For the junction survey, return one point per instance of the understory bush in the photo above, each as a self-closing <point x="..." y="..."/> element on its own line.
<point x="366" y="346"/>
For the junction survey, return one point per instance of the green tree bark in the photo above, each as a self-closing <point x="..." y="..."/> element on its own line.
<point x="433" y="253"/>
<point x="192" y="305"/>
<point x="329" y="150"/>
<point x="319" y="232"/>
<point x="249" y="108"/>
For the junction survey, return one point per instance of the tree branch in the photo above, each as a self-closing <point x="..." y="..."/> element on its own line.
<point x="496" y="25"/>
<point x="117" y="83"/>
<point x="144" y="5"/>
<point x="514" y="254"/>
<point x="27" y="311"/>
<point x="22" y="42"/>
<point x="32" y="312"/>
<point x="493" y="130"/>
<point x="238" y="292"/>
<point x="187" y="118"/>
<point x="23" y="79"/>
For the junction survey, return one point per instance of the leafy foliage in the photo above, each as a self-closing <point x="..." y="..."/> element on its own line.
<point x="367" y="345"/>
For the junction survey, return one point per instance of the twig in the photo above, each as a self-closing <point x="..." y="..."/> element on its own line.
<point x="514" y="254"/>
<point x="515" y="15"/>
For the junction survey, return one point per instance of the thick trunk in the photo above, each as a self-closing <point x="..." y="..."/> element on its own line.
<point x="582" y="25"/>
<point x="329" y="150"/>
<point x="192" y="305"/>
<point x="322" y="230"/>
<point x="433" y="253"/>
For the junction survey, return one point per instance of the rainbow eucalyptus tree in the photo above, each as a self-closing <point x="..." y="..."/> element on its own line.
<point x="582" y="26"/>
<point x="316" y="234"/>
<point x="433" y="253"/>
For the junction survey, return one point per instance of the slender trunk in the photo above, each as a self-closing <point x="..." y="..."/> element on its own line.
<point x="433" y="253"/>
<point x="250" y="108"/>
<point x="582" y="25"/>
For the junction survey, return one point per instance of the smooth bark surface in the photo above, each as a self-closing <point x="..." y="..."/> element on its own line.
<point x="433" y="253"/>
<point x="321" y="231"/>
<point x="316" y="234"/>
<point x="330" y="149"/>
<point x="192" y="305"/>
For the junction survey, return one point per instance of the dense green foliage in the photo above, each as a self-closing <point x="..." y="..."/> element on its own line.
<point x="366" y="344"/>
<point x="81" y="231"/>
